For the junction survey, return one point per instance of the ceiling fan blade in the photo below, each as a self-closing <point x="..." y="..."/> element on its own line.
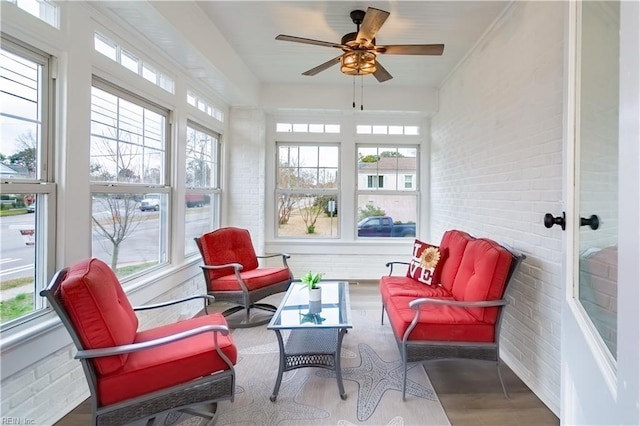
<point x="411" y="49"/>
<point x="322" y="67"/>
<point x="373" y="20"/>
<point x="381" y="73"/>
<point x="310" y="41"/>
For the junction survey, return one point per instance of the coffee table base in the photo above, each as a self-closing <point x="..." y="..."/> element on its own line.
<point x="310" y="348"/>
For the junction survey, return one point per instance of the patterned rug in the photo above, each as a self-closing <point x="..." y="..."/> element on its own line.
<point x="371" y="371"/>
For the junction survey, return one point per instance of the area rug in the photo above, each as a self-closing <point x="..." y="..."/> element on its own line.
<point x="371" y="371"/>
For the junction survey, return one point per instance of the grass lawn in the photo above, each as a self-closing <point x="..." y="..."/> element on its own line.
<point x="13" y="308"/>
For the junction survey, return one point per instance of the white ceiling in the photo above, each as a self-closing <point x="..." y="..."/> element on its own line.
<point x="250" y="27"/>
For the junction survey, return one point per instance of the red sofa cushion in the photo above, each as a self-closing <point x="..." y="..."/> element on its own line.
<point x="254" y="279"/>
<point x="168" y="365"/>
<point x="482" y="276"/>
<point x="228" y="245"/>
<point x="392" y="286"/>
<point x="437" y="322"/>
<point x="426" y="263"/>
<point x="99" y="310"/>
<point x="454" y="243"/>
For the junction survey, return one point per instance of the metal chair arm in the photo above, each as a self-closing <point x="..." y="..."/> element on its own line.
<point x="236" y="266"/>
<point x="284" y="256"/>
<point x="174" y="302"/>
<point x="415" y="304"/>
<point x="390" y="265"/>
<point x="134" y="347"/>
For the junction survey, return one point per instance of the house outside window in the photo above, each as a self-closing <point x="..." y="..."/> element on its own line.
<point x="128" y="174"/>
<point x="385" y="189"/>
<point x="27" y="190"/>
<point x="202" y="199"/>
<point x="307" y="188"/>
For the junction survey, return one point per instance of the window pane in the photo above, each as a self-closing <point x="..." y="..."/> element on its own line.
<point x="332" y="128"/>
<point x="105" y="46"/>
<point x="302" y="128"/>
<point x="129" y="61"/>
<point x="201" y="158"/>
<point x="308" y="166"/>
<point x="391" y="165"/>
<point x="402" y="209"/>
<point x="18" y="256"/>
<point x="127" y="141"/>
<point x="308" y="216"/>
<point x="20" y="117"/>
<point x="128" y="231"/>
<point x="201" y="216"/>
<point x="316" y="128"/>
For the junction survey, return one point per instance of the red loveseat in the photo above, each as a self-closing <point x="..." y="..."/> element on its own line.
<point x="458" y="314"/>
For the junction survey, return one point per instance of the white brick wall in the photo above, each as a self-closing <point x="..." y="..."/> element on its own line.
<point x="496" y="169"/>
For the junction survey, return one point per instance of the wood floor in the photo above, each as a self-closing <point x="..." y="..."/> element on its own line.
<point x="469" y="391"/>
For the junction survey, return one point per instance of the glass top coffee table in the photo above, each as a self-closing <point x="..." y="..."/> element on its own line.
<point x="315" y="329"/>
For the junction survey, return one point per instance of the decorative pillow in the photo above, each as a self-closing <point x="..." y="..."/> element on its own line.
<point x="426" y="263"/>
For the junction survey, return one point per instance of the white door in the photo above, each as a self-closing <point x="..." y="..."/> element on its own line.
<point x="600" y="333"/>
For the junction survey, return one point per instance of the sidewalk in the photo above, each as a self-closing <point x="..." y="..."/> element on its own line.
<point x="13" y="292"/>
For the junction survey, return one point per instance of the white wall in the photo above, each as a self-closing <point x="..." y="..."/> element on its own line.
<point x="496" y="169"/>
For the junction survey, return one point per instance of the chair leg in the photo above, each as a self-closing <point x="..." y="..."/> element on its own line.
<point x="382" y="316"/>
<point x="404" y="374"/>
<point x="504" y="388"/>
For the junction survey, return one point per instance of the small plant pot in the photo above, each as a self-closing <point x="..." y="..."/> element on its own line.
<point x="315" y="294"/>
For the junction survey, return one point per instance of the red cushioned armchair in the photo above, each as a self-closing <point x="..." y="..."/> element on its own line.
<point x="232" y="274"/>
<point x="139" y="374"/>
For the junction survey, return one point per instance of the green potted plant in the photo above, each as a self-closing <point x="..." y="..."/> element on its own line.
<point x="311" y="280"/>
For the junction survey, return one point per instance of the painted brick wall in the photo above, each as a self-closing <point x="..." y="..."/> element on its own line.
<point x="496" y="169"/>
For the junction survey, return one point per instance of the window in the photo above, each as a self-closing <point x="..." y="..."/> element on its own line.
<point x="27" y="193"/>
<point x="203" y="185"/>
<point x="130" y="199"/>
<point x="109" y="48"/>
<point x="307" y="128"/>
<point x="375" y="181"/>
<point x="386" y="190"/>
<point x="307" y="190"/>
<point x="204" y="106"/>
<point x="42" y="9"/>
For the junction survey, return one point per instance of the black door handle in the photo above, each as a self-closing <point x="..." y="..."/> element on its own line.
<point x="593" y="221"/>
<point x="549" y="220"/>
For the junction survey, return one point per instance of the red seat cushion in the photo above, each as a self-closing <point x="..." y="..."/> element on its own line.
<point x="254" y="279"/>
<point x="392" y="286"/>
<point x="437" y="323"/>
<point x="482" y="275"/>
<point x="168" y="365"/>
<point x="99" y="310"/>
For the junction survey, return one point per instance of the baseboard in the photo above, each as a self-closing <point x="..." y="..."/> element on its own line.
<point x="70" y="406"/>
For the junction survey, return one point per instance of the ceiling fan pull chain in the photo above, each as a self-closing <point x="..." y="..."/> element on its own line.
<point x="361" y="93"/>
<point x="354" y="91"/>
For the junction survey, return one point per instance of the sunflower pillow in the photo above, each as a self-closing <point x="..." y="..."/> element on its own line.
<point x="426" y="263"/>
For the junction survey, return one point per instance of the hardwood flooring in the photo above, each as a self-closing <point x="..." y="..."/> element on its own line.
<point x="469" y="391"/>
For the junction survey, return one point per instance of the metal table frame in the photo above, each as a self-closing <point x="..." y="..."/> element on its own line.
<point x="312" y="343"/>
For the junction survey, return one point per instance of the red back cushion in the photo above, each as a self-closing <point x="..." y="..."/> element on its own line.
<point x="426" y="263"/>
<point x="99" y="310"/>
<point x="453" y="243"/>
<point x="228" y="245"/>
<point x="482" y="276"/>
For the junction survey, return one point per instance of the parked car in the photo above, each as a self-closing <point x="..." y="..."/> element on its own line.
<point x="195" y="200"/>
<point x="383" y="226"/>
<point x="31" y="208"/>
<point x="150" y="202"/>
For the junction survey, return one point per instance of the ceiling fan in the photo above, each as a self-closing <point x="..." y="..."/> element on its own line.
<point x="360" y="49"/>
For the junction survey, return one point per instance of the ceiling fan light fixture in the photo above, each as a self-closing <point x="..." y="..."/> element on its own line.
<point x="358" y="62"/>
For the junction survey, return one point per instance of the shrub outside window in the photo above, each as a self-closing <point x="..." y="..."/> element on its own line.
<point x="28" y="192"/>
<point x="130" y="202"/>
<point x="386" y="176"/>
<point x="307" y="190"/>
<point x="202" y="199"/>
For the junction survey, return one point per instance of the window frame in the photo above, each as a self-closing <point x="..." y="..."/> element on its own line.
<point x="164" y="188"/>
<point x="43" y="185"/>
<point x="297" y="191"/>
<point x="214" y="191"/>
